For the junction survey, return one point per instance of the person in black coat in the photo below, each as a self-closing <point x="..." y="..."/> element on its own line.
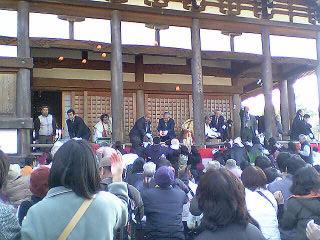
<point x="297" y="126"/>
<point x="307" y="128"/>
<point x="166" y="128"/>
<point x="141" y="128"/>
<point x="218" y="122"/>
<point x="76" y="126"/>
<point x="155" y="151"/>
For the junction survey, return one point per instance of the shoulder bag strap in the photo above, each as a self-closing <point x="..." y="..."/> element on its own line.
<point x="265" y="197"/>
<point x="75" y="219"/>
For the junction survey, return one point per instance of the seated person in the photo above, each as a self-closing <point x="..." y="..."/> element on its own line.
<point x="155" y="151"/>
<point x="210" y="133"/>
<point x="166" y="128"/>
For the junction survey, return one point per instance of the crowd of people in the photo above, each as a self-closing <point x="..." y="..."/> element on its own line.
<point x="247" y="190"/>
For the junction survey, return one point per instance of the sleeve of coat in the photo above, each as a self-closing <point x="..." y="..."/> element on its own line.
<point x="120" y="189"/>
<point x="289" y="218"/>
<point x="135" y="195"/>
<point x="194" y="207"/>
<point x="141" y="127"/>
<point x="54" y="126"/>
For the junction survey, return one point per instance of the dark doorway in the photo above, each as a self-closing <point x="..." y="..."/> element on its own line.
<point x="51" y="99"/>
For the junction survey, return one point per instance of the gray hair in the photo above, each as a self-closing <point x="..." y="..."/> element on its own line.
<point x="303" y="137"/>
<point x="149" y="169"/>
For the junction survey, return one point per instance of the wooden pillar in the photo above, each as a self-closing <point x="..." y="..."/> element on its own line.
<point x="116" y="78"/>
<point x="236" y="116"/>
<point x="71" y="29"/>
<point x="23" y="78"/>
<point x="139" y="78"/>
<point x="284" y="106"/>
<point x="292" y="102"/>
<point x="197" y="84"/>
<point x="269" y="114"/>
<point x="318" y="69"/>
<point x="157" y="36"/>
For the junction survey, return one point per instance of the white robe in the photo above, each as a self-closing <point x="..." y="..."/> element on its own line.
<point x="98" y="130"/>
<point x="209" y="132"/>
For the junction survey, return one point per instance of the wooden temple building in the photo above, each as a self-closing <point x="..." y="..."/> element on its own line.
<point x="127" y="80"/>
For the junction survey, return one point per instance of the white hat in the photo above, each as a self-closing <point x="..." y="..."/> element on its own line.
<point x="175" y="144"/>
<point x="56" y="147"/>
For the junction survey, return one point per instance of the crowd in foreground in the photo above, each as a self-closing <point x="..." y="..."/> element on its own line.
<point x="248" y="191"/>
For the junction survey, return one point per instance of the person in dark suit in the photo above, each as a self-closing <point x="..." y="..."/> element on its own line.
<point x="166" y="128"/>
<point x="218" y="121"/>
<point x="297" y="126"/>
<point x="76" y="126"/>
<point x="141" y="128"/>
<point x="307" y="127"/>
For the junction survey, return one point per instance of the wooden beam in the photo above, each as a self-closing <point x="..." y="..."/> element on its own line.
<point x="100" y="85"/>
<point x="144" y="14"/>
<point x="10" y="62"/>
<point x="16" y="123"/>
<point x="128" y="67"/>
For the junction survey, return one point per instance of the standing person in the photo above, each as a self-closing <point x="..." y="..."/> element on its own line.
<point x="279" y="127"/>
<point x="9" y="225"/>
<point x="297" y="126"/>
<point x="141" y="128"/>
<point x="221" y="199"/>
<point x="307" y="126"/>
<point x="76" y="126"/>
<point x="248" y="125"/>
<point x="166" y="128"/>
<point x="103" y="128"/>
<point x="218" y="122"/>
<point x="306" y="149"/>
<point x="74" y="185"/>
<point x="45" y="126"/>
<point x="163" y="206"/>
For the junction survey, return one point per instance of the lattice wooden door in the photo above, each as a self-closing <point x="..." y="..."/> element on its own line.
<point x="222" y="103"/>
<point x="177" y="105"/>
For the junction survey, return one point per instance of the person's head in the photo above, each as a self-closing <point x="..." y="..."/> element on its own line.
<point x="218" y="113"/>
<point x="71" y="114"/>
<point x="74" y="166"/>
<point x="104" y="118"/>
<point x="156" y="140"/>
<point x="221" y="198"/>
<point x="207" y="119"/>
<point x="4" y="168"/>
<point x="246" y="109"/>
<point x="253" y="177"/>
<point x="271" y="174"/>
<point x="175" y="144"/>
<point x="305" y="181"/>
<point x="306" y="117"/>
<point x="30" y="161"/>
<point x="194" y="150"/>
<point x="295" y="162"/>
<point x="278" y="118"/>
<point x="300" y="112"/>
<point x="117" y="145"/>
<point x="303" y="138"/>
<point x="104" y="158"/>
<point x="292" y="147"/>
<point x="39" y="181"/>
<point x="148" y="117"/>
<point x="45" y="111"/>
<point x="282" y="161"/>
<point x="164" y="177"/>
<point x="272" y="142"/>
<point x="149" y="169"/>
<point x="166" y="116"/>
<point x="262" y="162"/>
<point x="137" y="166"/>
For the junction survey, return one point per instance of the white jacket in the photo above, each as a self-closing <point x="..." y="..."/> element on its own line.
<point x="264" y="212"/>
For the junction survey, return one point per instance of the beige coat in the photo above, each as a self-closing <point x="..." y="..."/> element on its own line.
<point x="17" y="190"/>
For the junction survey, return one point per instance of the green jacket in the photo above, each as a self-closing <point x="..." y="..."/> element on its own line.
<point x="48" y="218"/>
